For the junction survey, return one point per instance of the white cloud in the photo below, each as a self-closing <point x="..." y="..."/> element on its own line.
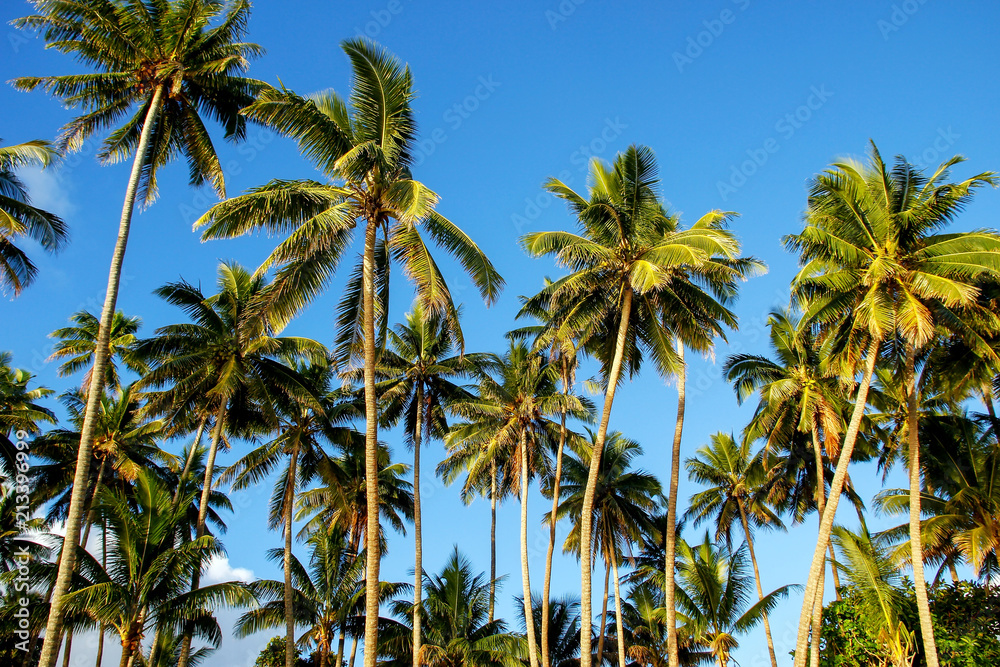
<point x="220" y="570"/>
<point x="46" y="191"/>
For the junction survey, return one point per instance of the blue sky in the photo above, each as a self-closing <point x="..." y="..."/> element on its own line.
<point x="742" y="101"/>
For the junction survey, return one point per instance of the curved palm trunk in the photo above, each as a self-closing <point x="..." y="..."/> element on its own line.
<point x="671" y="530"/>
<point x="206" y="491"/>
<point x="493" y="537"/>
<point x="619" y="626"/>
<point x="817" y="614"/>
<point x="418" y="547"/>
<point x="552" y="519"/>
<point x="916" y="539"/>
<point x="529" y="619"/>
<point x="604" y="617"/>
<point x="53" y="627"/>
<point x="818" y="563"/>
<point x="760" y="589"/>
<point x="289" y="500"/>
<point x="372" y="557"/>
<point x="586" y="514"/>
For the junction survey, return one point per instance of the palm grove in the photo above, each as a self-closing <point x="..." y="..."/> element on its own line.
<point x="887" y="353"/>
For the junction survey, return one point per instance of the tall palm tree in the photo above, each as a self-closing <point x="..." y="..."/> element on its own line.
<point x="633" y="272"/>
<point x="624" y="500"/>
<point x="18" y="218"/>
<point x="511" y="422"/>
<point x="77" y="344"/>
<point x="302" y="430"/>
<point x="363" y="146"/>
<point x="227" y="356"/>
<point x="173" y="61"/>
<point x="458" y="631"/>
<point x="737" y="492"/>
<point x="420" y="369"/>
<point x="713" y="591"/>
<point x="563" y="647"/>
<point x="874" y="271"/>
<point x="327" y="591"/>
<point x="148" y="569"/>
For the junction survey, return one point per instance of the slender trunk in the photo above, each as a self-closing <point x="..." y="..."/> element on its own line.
<point x="604" y="616"/>
<point x="953" y="571"/>
<point x="991" y="411"/>
<point x="835" y="574"/>
<point x="53" y="628"/>
<point x="340" y="646"/>
<point x="289" y="501"/>
<point x="354" y="651"/>
<point x="418" y="546"/>
<point x="619" y="626"/>
<point x="100" y="648"/>
<point x="125" y="654"/>
<point x="69" y="647"/>
<point x="104" y="564"/>
<point x="372" y="559"/>
<point x="671" y="536"/>
<point x="760" y="589"/>
<point x="552" y="517"/>
<point x="816" y="630"/>
<point x="324" y="653"/>
<point x="206" y="491"/>
<point x="586" y="515"/>
<point x="529" y="619"/>
<point x="818" y="563"/>
<point x="493" y="537"/>
<point x="916" y="539"/>
<point x="821" y="500"/>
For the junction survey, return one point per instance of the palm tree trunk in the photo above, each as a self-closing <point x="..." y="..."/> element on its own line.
<point x="619" y="626"/>
<point x="604" y="616"/>
<point x="340" y="646"/>
<point x="354" y="651"/>
<point x="671" y="537"/>
<point x="991" y="411"/>
<point x="953" y="571"/>
<point x="372" y="559"/>
<point x="552" y="518"/>
<point x="821" y="500"/>
<point x="289" y="501"/>
<point x="125" y="654"/>
<point x="69" y="648"/>
<point x="206" y="491"/>
<point x="818" y="563"/>
<point x="816" y="631"/>
<point x="104" y="564"/>
<point x="493" y="537"/>
<point x="53" y="627"/>
<point x="760" y="589"/>
<point x="586" y="515"/>
<point x="916" y="539"/>
<point x="418" y="546"/>
<point x="529" y="619"/>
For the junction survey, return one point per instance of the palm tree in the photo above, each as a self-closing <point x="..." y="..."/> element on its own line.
<point x="632" y="269"/>
<point x="227" y="357"/>
<point x="77" y="344"/>
<point x="510" y="422"/>
<point x="420" y="370"/>
<point x="623" y="502"/>
<point x="148" y="570"/>
<point x="18" y="218"/>
<point x="713" y="590"/>
<point x="645" y="625"/>
<point x="875" y="271"/>
<point x="20" y="414"/>
<point x="363" y="146"/>
<point x="172" y="61"/>
<point x="737" y="491"/>
<point x="563" y="647"/>
<point x="302" y="429"/>
<point x="455" y="618"/>
<point x="326" y="594"/>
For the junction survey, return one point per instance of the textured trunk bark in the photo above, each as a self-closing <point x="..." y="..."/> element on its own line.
<point x="673" y="657"/>
<point x="586" y="518"/>
<point x="619" y="626"/>
<point x="53" y="627"/>
<point x="289" y="500"/>
<point x="206" y="491"/>
<point x="760" y="588"/>
<point x="418" y="546"/>
<point x="604" y="616"/>
<point x="818" y="563"/>
<point x="340" y="647"/>
<point x="916" y="539"/>
<point x="529" y="618"/>
<point x="354" y="651"/>
<point x="372" y="556"/>
<point x="816" y="629"/>
<point x="493" y="537"/>
<point x="564" y="372"/>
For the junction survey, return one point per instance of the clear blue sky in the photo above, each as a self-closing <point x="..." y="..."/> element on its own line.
<point x="741" y="100"/>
